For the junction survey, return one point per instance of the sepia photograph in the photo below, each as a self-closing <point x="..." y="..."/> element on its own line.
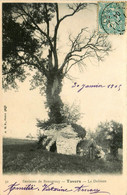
<point x="63" y="83"/>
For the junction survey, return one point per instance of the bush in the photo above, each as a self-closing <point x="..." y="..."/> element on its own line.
<point x="79" y="129"/>
<point x="109" y="135"/>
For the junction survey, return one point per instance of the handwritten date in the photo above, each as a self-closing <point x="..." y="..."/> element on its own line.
<point x="96" y="86"/>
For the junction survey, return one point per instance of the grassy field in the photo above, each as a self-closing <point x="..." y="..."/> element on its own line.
<point x="22" y="156"/>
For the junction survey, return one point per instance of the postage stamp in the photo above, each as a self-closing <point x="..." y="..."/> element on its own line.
<point x="111" y="17"/>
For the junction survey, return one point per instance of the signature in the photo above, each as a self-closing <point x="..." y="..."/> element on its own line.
<point x="83" y="86"/>
<point x="50" y="187"/>
<point x="16" y="186"/>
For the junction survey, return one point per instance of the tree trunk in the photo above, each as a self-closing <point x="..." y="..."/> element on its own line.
<point x="54" y="102"/>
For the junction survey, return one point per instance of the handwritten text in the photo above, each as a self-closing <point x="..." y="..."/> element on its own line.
<point x="96" y="86"/>
<point x="51" y="187"/>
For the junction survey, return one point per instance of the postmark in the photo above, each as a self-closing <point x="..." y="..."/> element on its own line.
<point x="111" y="17"/>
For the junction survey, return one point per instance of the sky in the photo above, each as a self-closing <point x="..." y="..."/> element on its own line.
<point x="96" y="104"/>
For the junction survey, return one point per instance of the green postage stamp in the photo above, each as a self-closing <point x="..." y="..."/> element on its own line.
<point x="111" y="17"/>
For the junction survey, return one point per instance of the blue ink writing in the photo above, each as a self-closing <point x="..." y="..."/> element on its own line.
<point x="83" y="188"/>
<point x="16" y="186"/>
<point x="114" y="86"/>
<point x="86" y="86"/>
<point x="49" y="187"/>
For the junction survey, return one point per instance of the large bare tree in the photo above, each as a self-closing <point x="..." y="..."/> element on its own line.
<point x="30" y="40"/>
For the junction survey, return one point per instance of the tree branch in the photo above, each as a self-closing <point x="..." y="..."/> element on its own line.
<point x="12" y="70"/>
<point x="37" y="27"/>
<point x="27" y="59"/>
<point x="75" y="8"/>
<point x="46" y="18"/>
<point x="55" y="36"/>
<point x="94" y="46"/>
<point x="57" y="12"/>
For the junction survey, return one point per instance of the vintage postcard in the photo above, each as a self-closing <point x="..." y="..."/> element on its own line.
<point x="63" y="97"/>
